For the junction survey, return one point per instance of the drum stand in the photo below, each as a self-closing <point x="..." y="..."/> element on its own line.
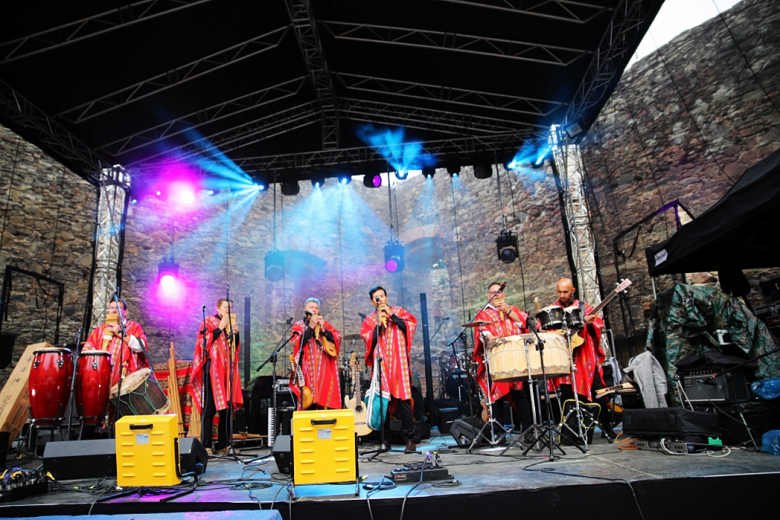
<point x="547" y="434"/>
<point x="533" y="396"/>
<point x="491" y="422"/>
<point x="580" y="413"/>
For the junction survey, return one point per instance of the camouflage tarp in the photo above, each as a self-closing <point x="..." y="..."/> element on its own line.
<point x="686" y="317"/>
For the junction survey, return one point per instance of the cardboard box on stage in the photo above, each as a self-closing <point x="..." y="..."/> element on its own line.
<point x="147" y="450"/>
<point x="15" y="396"/>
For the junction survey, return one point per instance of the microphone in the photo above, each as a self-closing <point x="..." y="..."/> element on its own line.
<point x="203" y="308"/>
<point x="289" y="320"/>
<point x="503" y="286"/>
<point x="362" y="315"/>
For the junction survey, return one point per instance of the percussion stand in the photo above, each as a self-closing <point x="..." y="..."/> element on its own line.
<point x="579" y="412"/>
<point x="546" y="433"/>
<point x="232" y="336"/>
<point x="531" y="393"/>
<point x="493" y="440"/>
<point x="123" y="332"/>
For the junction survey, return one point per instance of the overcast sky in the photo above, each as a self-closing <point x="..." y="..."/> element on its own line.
<point x="677" y="16"/>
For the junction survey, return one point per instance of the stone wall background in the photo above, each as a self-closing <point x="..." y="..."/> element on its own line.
<point x="684" y="123"/>
<point x="48" y="223"/>
<point x="643" y="152"/>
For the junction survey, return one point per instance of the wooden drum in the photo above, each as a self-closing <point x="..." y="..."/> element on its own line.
<point x="507" y="361"/>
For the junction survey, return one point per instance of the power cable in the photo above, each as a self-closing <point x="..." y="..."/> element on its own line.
<point x="10" y="186"/>
<point x="457" y="242"/>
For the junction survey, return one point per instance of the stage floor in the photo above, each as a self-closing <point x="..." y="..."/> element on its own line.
<point x="635" y="483"/>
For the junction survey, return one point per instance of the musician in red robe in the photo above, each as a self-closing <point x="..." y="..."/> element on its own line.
<point x="320" y="369"/>
<point x="588" y="357"/>
<point x="213" y="373"/>
<point x="130" y="349"/>
<point x="501" y="320"/>
<point x="388" y="334"/>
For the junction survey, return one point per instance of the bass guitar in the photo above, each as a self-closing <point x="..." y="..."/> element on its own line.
<point x="355" y="403"/>
<point x="296" y="375"/>
<point x="576" y="339"/>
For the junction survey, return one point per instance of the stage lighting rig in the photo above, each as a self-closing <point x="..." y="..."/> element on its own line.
<point x="372" y="180"/>
<point x="428" y="172"/>
<point x="290" y="188"/>
<point x="506" y="245"/>
<point x="167" y="271"/>
<point x="394" y="256"/>
<point x="274" y="265"/>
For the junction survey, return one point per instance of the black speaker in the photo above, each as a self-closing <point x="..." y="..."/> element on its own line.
<point x="193" y="457"/>
<point x="283" y="454"/>
<point x="80" y="459"/>
<point x="464" y="431"/>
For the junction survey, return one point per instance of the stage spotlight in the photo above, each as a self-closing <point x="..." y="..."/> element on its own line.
<point x="274" y="265"/>
<point x="345" y="179"/>
<point x="506" y="244"/>
<point x="394" y="256"/>
<point x="483" y="169"/>
<point x="134" y="201"/>
<point x="290" y="188"/>
<point x="372" y="180"/>
<point x="317" y="182"/>
<point x="167" y="272"/>
<point x="428" y="172"/>
<point x="401" y="174"/>
<point x="453" y="170"/>
<point x="158" y="193"/>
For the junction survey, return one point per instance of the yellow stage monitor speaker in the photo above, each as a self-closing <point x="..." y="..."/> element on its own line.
<point x="324" y="447"/>
<point x="147" y="450"/>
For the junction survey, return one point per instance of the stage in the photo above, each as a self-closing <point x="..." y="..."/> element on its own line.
<point x="608" y="480"/>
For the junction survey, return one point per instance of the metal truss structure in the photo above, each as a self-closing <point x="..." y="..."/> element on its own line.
<point x="168" y="80"/>
<point x="605" y="66"/>
<point x="112" y="212"/>
<point x="90" y="26"/>
<point x="453" y="42"/>
<point x="578" y="11"/>
<point x="305" y="26"/>
<point x="51" y="136"/>
<point x="568" y="161"/>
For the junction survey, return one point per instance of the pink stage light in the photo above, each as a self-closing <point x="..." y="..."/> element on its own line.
<point x="168" y="281"/>
<point x="186" y="197"/>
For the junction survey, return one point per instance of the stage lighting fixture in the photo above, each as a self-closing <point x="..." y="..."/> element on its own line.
<point x="506" y="244"/>
<point x="401" y="174"/>
<point x="317" y="182"/>
<point x="453" y="170"/>
<point x="345" y="179"/>
<point x="483" y="169"/>
<point x="372" y="180"/>
<point x="290" y="188"/>
<point x="133" y="201"/>
<point x="274" y="265"/>
<point x="394" y="256"/>
<point x="428" y="172"/>
<point x="167" y="272"/>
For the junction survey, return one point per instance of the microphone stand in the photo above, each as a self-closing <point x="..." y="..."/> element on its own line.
<point x="205" y="391"/>
<point x="72" y="398"/>
<point x="123" y="331"/>
<point x="272" y="358"/>
<point x="231" y="452"/>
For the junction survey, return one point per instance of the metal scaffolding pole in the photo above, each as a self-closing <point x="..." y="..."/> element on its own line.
<point x="568" y="161"/>
<point x="109" y="239"/>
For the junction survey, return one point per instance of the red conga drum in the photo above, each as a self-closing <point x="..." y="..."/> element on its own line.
<point x="50" y="377"/>
<point x="93" y="382"/>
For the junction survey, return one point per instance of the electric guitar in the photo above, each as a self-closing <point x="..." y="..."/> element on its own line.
<point x="355" y="403"/>
<point x="576" y="339"/>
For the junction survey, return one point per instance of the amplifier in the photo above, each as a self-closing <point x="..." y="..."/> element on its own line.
<point x="770" y="315"/>
<point x="669" y="422"/>
<point x="701" y="388"/>
<point x="757" y="415"/>
<point x="80" y="459"/>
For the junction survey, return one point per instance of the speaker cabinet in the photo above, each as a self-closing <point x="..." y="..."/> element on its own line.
<point x="80" y="459"/>
<point x="283" y="454"/>
<point x="193" y="457"/>
<point x="464" y="431"/>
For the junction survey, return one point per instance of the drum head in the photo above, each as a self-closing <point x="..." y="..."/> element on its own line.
<point x="132" y="381"/>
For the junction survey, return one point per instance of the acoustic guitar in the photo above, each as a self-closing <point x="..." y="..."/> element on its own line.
<point x="296" y="374"/>
<point x="355" y="402"/>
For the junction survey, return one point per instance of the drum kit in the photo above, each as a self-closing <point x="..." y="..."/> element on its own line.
<point x="53" y="380"/>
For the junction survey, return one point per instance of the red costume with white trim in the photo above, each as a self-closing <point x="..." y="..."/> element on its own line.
<point x="394" y="344"/>
<point x="320" y="371"/>
<point x="219" y="373"/>
<point x="132" y="361"/>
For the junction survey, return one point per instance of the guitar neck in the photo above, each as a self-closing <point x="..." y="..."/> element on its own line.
<point x="605" y="301"/>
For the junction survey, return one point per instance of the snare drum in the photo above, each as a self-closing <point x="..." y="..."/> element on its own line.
<point x="93" y="383"/>
<point x="507" y="360"/>
<point x="141" y="395"/>
<point x="550" y="318"/>
<point x="574" y="318"/>
<point x="50" y="378"/>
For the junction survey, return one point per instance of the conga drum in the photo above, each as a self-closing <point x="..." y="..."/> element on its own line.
<point x="141" y="395"/>
<point x="50" y="377"/>
<point x="93" y="383"/>
<point x="508" y="363"/>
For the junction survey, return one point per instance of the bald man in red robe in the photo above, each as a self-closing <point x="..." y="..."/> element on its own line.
<point x="388" y="333"/>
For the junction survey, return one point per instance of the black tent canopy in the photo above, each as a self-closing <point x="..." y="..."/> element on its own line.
<point x="740" y="231"/>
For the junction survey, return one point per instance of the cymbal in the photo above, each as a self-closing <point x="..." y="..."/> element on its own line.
<point x="478" y="324"/>
<point x="350" y="337"/>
